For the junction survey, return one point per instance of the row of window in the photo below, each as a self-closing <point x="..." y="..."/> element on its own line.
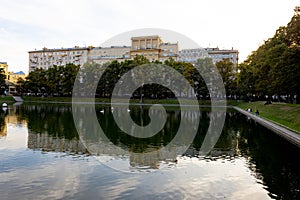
<point x="223" y="55"/>
<point x="45" y="64"/>
<point x="191" y="54"/>
<point x="108" y="56"/>
<point x="192" y="51"/>
<point x="58" y="53"/>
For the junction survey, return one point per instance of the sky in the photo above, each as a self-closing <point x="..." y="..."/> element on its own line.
<point x="26" y="25"/>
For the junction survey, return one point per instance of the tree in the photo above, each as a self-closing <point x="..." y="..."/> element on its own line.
<point x="20" y="86"/>
<point x="227" y="72"/>
<point x="2" y="80"/>
<point x="36" y="81"/>
<point x="69" y="73"/>
<point x="273" y="69"/>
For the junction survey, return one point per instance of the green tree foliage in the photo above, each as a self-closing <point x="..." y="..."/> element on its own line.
<point x="2" y="80"/>
<point x="57" y="80"/>
<point x="274" y="68"/>
<point x="227" y="72"/>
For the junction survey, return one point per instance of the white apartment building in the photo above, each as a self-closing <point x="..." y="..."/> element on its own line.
<point x="220" y="54"/>
<point x="46" y="58"/>
<point x="192" y="55"/>
<point x="106" y="54"/>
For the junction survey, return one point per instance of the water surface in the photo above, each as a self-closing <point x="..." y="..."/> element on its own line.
<point x="42" y="157"/>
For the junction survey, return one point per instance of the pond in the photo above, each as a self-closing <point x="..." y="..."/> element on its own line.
<point x="43" y="157"/>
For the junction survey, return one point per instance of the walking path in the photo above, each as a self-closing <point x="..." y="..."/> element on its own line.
<point x="280" y="130"/>
<point x="19" y="99"/>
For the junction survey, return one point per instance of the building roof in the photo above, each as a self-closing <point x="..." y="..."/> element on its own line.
<point x="20" y="72"/>
<point x="76" y="48"/>
<point x="145" y="37"/>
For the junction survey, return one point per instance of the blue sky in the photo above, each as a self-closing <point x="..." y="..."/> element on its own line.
<point x="34" y="24"/>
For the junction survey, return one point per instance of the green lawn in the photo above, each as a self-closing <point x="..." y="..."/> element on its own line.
<point x="282" y="113"/>
<point x="107" y="100"/>
<point x="6" y="99"/>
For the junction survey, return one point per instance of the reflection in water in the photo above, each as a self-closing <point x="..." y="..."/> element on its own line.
<point x="272" y="161"/>
<point x="9" y="116"/>
<point x="3" y="129"/>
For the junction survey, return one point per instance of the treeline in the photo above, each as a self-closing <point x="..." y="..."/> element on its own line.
<point x="55" y="81"/>
<point x="271" y="72"/>
<point x="59" y="80"/>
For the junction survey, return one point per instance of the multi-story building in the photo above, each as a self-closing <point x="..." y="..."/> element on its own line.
<point x="220" y="54"/>
<point x="4" y="66"/>
<point x="11" y="78"/>
<point x="106" y="54"/>
<point x="153" y="48"/>
<point x="46" y="58"/>
<point x="192" y="55"/>
<point x="168" y="50"/>
<point x="14" y="77"/>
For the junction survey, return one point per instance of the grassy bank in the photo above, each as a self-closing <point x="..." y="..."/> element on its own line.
<point x="281" y="113"/>
<point x="6" y="99"/>
<point x="107" y="100"/>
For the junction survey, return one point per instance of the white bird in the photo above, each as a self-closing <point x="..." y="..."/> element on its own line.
<point x="102" y="111"/>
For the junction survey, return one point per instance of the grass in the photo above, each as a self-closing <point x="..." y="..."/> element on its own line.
<point x="53" y="99"/>
<point x="107" y="100"/>
<point x="281" y="113"/>
<point x="6" y="99"/>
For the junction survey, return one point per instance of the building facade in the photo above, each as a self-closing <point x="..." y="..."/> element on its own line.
<point x="14" y="77"/>
<point x="152" y="47"/>
<point x="192" y="55"/>
<point x="11" y="78"/>
<point x="4" y="66"/>
<point x="216" y="54"/>
<point x="106" y="54"/>
<point x="46" y="58"/>
<point x="220" y="54"/>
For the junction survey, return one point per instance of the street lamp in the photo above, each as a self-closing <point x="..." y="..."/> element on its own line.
<point x="196" y="88"/>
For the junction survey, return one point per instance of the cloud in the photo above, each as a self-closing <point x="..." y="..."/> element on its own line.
<point x="26" y="25"/>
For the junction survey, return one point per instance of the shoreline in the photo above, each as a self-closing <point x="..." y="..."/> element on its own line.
<point x="285" y="132"/>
